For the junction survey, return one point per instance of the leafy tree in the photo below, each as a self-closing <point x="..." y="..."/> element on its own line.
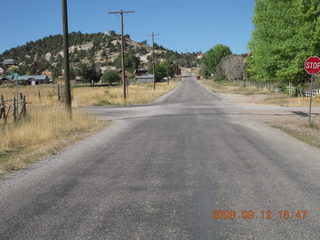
<point x="213" y="57"/>
<point x="56" y="72"/>
<point x="88" y="72"/>
<point x="25" y="70"/>
<point x="160" y="71"/>
<point x="170" y="67"/>
<point x="111" y="77"/>
<point x="286" y="33"/>
<point x="13" y="70"/>
<point x="131" y="62"/>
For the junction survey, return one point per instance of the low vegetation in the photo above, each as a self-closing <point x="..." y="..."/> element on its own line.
<point x="83" y="96"/>
<point x="310" y="139"/>
<point x="138" y="94"/>
<point x="44" y="131"/>
<point x="232" y="88"/>
<point x="268" y="97"/>
<point x="47" y="129"/>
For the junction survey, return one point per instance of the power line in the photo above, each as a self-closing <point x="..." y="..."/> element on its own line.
<point x="153" y="35"/>
<point x="123" y="74"/>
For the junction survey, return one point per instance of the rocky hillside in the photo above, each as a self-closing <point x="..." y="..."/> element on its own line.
<point x="99" y="48"/>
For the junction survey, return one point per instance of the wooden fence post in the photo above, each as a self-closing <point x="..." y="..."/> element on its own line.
<point x="7" y="114"/>
<point x="59" y="96"/>
<point x="2" y="110"/>
<point x="23" y="108"/>
<point x="39" y="96"/>
<point x="14" y="109"/>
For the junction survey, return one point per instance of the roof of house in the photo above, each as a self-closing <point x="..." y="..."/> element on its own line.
<point x="149" y="76"/>
<point x="127" y="72"/>
<point x="9" y="62"/>
<point x="26" y="78"/>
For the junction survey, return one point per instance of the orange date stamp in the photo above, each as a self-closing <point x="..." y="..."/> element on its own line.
<point x="259" y="215"/>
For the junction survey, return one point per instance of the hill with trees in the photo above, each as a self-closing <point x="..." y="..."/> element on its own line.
<point x="92" y="51"/>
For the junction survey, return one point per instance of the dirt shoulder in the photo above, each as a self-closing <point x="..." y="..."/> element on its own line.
<point x="289" y="114"/>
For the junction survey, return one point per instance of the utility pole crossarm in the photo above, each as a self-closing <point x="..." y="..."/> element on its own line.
<point x="121" y="12"/>
<point x="153" y="35"/>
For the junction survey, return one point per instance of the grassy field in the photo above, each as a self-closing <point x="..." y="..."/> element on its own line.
<point x="46" y="129"/>
<point x="43" y="131"/>
<point x="232" y="88"/>
<point x="268" y="97"/>
<point x="46" y="95"/>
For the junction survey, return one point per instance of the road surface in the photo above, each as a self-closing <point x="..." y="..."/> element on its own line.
<point x="161" y="171"/>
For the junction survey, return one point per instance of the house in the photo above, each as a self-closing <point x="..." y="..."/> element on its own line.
<point x="145" y="78"/>
<point x="200" y="56"/>
<point x="29" y="80"/>
<point x="10" y="62"/>
<point x="5" y="81"/>
<point x="141" y="72"/>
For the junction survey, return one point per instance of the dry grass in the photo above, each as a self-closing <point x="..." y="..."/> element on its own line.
<point x="100" y="96"/>
<point x="47" y="128"/>
<point x="232" y="88"/>
<point x="48" y="94"/>
<point x="264" y="95"/>
<point x="287" y="101"/>
<point x="44" y="131"/>
<point x="91" y="96"/>
<point x="311" y="138"/>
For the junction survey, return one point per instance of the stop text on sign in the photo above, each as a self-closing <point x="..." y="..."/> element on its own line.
<point x="312" y="65"/>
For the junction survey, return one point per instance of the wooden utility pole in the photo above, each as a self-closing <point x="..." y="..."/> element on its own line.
<point x="153" y="59"/>
<point x="123" y="74"/>
<point x="67" y="97"/>
<point x="168" y="72"/>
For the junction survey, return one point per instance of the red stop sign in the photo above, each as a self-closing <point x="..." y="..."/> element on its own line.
<point x="312" y="65"/>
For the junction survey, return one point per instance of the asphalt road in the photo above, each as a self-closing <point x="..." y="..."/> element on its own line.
<point x="161" y="170"/>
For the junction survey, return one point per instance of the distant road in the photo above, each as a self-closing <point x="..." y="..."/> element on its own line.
<point x="161" y="170"/>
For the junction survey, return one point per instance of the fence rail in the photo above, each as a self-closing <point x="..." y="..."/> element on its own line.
<point x="290" y="88"/>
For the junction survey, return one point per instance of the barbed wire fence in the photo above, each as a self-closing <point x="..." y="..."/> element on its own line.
<point x="18" y="108"/>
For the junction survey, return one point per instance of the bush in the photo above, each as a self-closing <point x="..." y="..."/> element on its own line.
<point x="111" y="77"/>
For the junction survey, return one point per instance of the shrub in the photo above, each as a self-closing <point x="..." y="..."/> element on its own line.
<point x="111" y="77"/>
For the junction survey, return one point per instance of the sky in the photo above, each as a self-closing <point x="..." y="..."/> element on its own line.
<point x="183" y="25"/>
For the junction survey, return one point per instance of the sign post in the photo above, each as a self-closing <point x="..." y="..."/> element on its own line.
<point x="312" y="66"/>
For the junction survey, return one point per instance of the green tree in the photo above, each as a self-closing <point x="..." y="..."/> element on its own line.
<point x="88" y="72"/>
<point x="213" y="57"/>
<point x="160" y="71"/>
<point x="13" y="70"/>
<point x="286" y="33"/>
<point x="111" y="77"/>
<point x="131" y="61"/>
<point x="169" y="65"/>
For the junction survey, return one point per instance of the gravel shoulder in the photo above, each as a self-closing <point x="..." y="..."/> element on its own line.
<point x="292" y="120"/>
